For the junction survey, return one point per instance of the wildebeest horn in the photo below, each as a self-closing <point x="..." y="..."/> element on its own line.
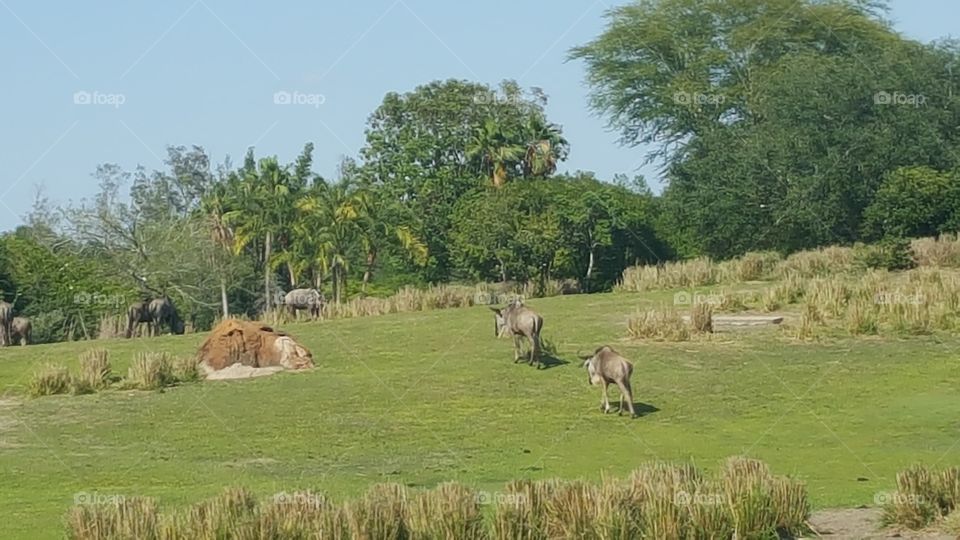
<point x="582" y="357"/>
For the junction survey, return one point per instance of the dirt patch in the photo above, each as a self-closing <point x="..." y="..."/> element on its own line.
<point x="242" y="349"/>
<point x="863" y="524"/>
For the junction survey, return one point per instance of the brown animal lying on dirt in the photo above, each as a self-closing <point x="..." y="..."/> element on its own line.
<point x="606" y="367"/>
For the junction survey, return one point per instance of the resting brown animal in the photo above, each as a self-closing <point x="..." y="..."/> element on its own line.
<point x="606" y="367"/>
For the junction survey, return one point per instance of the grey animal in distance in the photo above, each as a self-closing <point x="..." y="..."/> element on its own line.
<point x="21" y="331"/>
<point x="6" y="320"/>
<point x="605" y="367"/>
<point x="158" y="312"/>
<point x="521" y="322"/>
<point x="311" y="300"/>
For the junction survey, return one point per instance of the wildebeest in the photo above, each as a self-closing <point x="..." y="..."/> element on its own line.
<point x="20" y="331"/>
<point x="159" y="312"/>
<point x="520" y="321"/>
<point x="6" y="319"/>
<point x="309" y="299"/>
<point x="605" y="367"/>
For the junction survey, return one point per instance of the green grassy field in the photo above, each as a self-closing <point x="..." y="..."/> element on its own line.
<point x="425" y="397"/>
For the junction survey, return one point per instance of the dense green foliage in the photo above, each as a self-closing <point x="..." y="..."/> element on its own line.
<point x="781" y="126"/>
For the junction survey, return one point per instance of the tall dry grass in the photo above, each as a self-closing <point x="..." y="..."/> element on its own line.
<point x="658" y="500"/>
<point x="943" y="251"/>
<point x="923" y="496"/>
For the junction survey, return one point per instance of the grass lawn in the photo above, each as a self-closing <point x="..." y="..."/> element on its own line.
<point x="425" y="397"/>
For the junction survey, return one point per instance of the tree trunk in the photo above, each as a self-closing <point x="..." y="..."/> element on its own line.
<point x="368" y="273"/>
<point x="590" y="265"/>
<point x="224" y="305"/>
<point x="293" y="276"/>
<point x="503" y="270"/>
<point x="267" y="252"/>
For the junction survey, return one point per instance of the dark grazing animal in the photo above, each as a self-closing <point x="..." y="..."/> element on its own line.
<point x="520" y="322"/>
<point x="605" y="367"/>
<point x="20" y="331"/>
<point x="6" y="319"/>
<point x="311" y="300"/>
<point x="158" y="312"/>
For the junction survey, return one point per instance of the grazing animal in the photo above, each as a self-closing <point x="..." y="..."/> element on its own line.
<point x="158" y="312"/>
<point x="606" y="367"/>
<point x="20" y="331"/>
<point x="163" y="314"/>
<point x="309" y="299"/>
<point x="6" y="319"/>
<point x="520" y="322"/>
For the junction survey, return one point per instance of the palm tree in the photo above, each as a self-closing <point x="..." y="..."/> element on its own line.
<point x="213" y="208"/>
<point x="264" y="210"/>
<point x="496" y="150"/>
<point x="545" y="146"/>
<point x="330" y="213"/>
<point x="379" y="221"/>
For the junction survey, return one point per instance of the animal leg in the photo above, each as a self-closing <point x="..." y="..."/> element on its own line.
<point x="605" y="406"/>
<point x="516" y="349"/>
<point x="626" y="394"/>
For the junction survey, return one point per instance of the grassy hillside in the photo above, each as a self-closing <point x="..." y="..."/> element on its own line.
<point x="419" y="398"/>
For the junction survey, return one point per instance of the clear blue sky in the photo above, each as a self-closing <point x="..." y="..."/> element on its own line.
<point x="204" y="72"/>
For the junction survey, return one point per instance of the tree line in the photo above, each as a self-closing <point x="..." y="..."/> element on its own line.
<point x="779" y="126"/>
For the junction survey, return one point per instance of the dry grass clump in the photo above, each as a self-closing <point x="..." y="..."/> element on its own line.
<point x="49" y="379"/>
<point x="184" y="369"/>
<point x="752" y="266"/>
<point x="817" y="263"/>
<point x="451" y="510"/>
<point x="943" y="251"/>
<point x="701" y="317"/>
<point x="663" y="324"/>
<point x="658" y="500"/>
<point x="95" y="372"/>
<point x="672" y="275"/>
<point x="122" y="517"/>
<point x="923" y="496"/>
<point x="150" y="371"/>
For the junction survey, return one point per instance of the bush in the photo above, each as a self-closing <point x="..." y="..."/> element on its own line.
<point x="48" y="380"/>
<point x="890" y="254"/>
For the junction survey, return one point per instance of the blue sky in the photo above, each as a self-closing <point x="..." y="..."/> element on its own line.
<point x="205" y="72"/>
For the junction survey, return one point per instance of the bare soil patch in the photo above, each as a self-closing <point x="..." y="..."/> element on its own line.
<point x="863" y="524"/>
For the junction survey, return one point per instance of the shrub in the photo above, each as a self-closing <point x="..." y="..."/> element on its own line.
<point x="48" y="380"/>
<point x="889" y="254"/>
<point x="150" y="371"/>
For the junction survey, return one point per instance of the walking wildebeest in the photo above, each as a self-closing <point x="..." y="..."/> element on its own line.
<point x="606" y="367"/>
<point x="159" y="312"/>
<point x="309" y="299"/>
<point x="20" y="331"/>
<point x="6" y="319"/>
<point x="520" y="321"/>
